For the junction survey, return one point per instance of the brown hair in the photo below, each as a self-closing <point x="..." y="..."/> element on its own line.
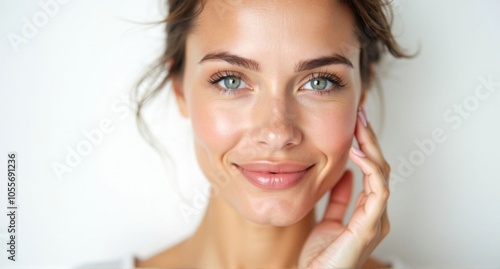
<point x="373" y="28"/>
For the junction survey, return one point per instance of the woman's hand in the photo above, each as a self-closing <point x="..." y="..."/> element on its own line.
<point x="334" y="245"/>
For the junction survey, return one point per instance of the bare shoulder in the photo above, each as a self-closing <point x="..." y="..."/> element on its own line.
<point x="169" y="258"/>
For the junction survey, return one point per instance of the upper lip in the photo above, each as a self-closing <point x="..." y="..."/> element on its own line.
<point x="274" y="167"/>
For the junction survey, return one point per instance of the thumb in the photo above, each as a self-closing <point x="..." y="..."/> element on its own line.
<point x="340" y="196"/>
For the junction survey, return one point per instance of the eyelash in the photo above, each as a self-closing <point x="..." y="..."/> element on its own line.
<point x="336" y="80"/>
<point x="220" y="75"/>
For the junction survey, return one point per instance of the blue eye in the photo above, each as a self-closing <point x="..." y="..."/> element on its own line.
<point x="318" y="84"/>
<point x="228" y="82"/>
<point x="231" y="82"/>
<point x="324" y="83"/>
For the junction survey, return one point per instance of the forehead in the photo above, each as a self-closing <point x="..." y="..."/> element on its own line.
<point x="274" y="29"/>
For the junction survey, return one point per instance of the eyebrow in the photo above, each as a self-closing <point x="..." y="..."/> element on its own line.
<point x="323" y="61"/>
<point x="253" y="65"/>
<point x="232" y="59"/>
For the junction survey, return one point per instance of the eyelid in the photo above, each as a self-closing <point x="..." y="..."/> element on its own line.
<point x="334" y="78"/>
<point x="337" y="81"/>
<point x="222" y="74"/>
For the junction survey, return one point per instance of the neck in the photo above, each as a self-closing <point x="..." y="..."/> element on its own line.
<point x="226" y="240"/>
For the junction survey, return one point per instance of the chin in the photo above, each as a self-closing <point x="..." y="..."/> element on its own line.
<point x="275" y="211"/>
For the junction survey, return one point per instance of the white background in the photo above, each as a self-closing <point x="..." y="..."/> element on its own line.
<point x="77" y="69"/>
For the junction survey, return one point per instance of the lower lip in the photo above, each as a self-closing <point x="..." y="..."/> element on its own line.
<point x="270" y="181"/>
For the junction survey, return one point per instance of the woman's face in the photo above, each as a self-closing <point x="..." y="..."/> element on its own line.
<point x="272" y="89"/>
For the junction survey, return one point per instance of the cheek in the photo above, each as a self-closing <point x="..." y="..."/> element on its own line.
<point x="214" y="135"/>
<point x="334" y="130"/>
<point x="214" y="128"/>
<point x="332" y="134"/>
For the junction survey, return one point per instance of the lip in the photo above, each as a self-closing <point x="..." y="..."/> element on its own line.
<point x="274" y="175"/>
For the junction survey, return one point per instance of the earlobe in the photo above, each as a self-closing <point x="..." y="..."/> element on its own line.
<point x="179" y="96"/>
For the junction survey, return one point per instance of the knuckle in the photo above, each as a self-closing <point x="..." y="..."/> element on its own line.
<point x="385" y="193"/>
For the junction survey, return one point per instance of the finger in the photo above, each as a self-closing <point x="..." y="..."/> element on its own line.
<point x="378" y="193"/>
<point x="339" y="199"/>
<point x="368" y="142"/>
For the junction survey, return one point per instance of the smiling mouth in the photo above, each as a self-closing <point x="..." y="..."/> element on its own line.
<point x="273" y="180"/>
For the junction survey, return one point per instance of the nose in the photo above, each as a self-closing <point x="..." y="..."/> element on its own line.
<point x="276" y="125"/>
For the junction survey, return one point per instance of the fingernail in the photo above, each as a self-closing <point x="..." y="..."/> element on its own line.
<point x="358" y="152"/>
<point x="362" y="116"/>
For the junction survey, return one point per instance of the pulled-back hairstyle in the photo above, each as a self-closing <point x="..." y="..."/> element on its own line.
<point x="373" y="29"/>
